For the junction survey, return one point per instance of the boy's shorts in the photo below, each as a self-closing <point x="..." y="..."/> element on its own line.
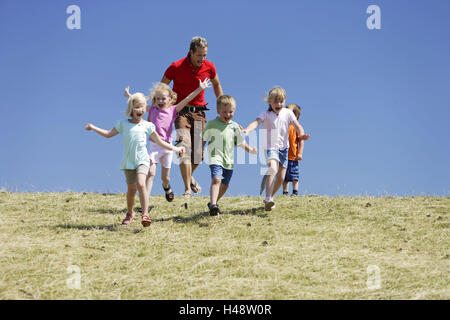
<point x="131" y="175"/>
<point x="221" y="173"/>
<point x="292" y="172"/>
<point x="158" y="154"/>
<point x="279" y="155"/>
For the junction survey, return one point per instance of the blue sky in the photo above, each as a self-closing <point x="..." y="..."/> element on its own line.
<point x="375" y="102"/>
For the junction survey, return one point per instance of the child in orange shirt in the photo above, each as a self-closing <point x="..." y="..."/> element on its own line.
<point x="295" y="154"/>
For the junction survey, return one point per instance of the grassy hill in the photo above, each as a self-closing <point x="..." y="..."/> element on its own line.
<point x="72" y="246"/>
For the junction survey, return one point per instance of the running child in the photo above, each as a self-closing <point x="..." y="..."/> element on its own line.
<point x="135" y="163"/>
<point x="295" y="155"/>
<point x="222" y="135"/>
<point x="275" y="121"/>
<point x="162" y="113"/>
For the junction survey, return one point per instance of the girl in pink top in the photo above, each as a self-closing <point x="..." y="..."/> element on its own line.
<point x="162" y="114"/>
<point x="276" y="121"/>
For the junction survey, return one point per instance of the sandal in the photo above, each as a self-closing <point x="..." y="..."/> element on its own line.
<point x="127" y="219"/>
<point x="195" y="187"/>
<point x="169" y="196"/>
<point x="146" y="221"/>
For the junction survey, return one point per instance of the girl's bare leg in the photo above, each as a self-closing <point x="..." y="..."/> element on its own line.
<point x="279" y="179"/>
<point x="150" y="177"/>
<point x="271" y="174"/>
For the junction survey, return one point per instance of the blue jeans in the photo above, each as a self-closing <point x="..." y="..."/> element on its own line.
<point x="279" y="155"/>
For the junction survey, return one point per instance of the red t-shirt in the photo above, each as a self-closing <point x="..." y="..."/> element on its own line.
<point x="185" y="78"/>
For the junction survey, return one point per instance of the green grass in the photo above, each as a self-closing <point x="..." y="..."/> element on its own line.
<point x="309" y="247"/>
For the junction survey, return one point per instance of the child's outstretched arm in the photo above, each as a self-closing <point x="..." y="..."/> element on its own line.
<point x="301" y="133"/>
<point x="252" y="126"/>
<point x="247" y="148"/>
<point x="301" y="137"/>
<point x="157" y="139"/>
<point x="127" y="94"/>
<point x="106" y="133"/>
<point x="202" y="86"/>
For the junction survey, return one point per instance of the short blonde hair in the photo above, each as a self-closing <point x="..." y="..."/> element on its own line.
<point x="295" y="109"/>
<point x="226" y="100"/>
<point x="158" y="87"/>
<point x="134" y="97"/>
<point x="198" y="42"/>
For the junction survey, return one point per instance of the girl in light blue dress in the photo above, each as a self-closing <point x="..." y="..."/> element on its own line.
<point x="136" y="162"/>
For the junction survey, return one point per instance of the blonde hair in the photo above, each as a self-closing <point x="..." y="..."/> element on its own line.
<point x="276" y="93"/>
<point x="131" y="100"/>
<point x="225" y="100"/>
<point x="295" y="109"/>
<point x="198" y="42"/>
<point x="158" y="87"/>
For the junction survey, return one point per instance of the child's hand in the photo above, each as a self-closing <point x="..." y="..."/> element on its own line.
<point x="180" y="151"/>
<point x="253" y="150"/>
<point x="88" y="127"/>
<point x="299" y="157"/>
<point x="204" y="84"/>
<point x="126" y="93"/>
<point x="304" y="137"/>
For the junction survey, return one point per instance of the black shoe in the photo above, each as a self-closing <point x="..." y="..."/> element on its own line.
<point x="294" y="192"/>
<point x="285" y="193"/>
<point x="213" y="209"/>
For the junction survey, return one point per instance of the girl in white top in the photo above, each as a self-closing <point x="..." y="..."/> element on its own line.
<point x="135" y="161"/>
<point x="276" y="121"/>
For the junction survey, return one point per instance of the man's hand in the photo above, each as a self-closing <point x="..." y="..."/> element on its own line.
<point x="204" y="84"/>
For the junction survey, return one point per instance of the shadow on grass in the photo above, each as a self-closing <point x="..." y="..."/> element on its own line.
<point x="111" y="227"/>
<point x="116" y="211"/>
<point x="248" y="211"/>
<point x="201" y="215"/>
<point x="177" y="219"/>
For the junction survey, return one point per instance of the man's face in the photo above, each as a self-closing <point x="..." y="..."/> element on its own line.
<point x="198" y="56"/>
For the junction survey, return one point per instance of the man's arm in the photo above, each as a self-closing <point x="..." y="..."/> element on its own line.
<point x="217" y="87"/>
<point x="165" y="80"/>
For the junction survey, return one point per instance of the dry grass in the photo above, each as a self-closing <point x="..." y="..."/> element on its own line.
<point x="307" y="248"/>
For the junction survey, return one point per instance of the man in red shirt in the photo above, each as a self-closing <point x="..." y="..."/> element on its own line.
<point x="191" y="120"/>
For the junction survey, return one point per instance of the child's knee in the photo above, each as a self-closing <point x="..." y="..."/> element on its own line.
<point x="216" y="180"/>
<point x="140" y="186"/>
